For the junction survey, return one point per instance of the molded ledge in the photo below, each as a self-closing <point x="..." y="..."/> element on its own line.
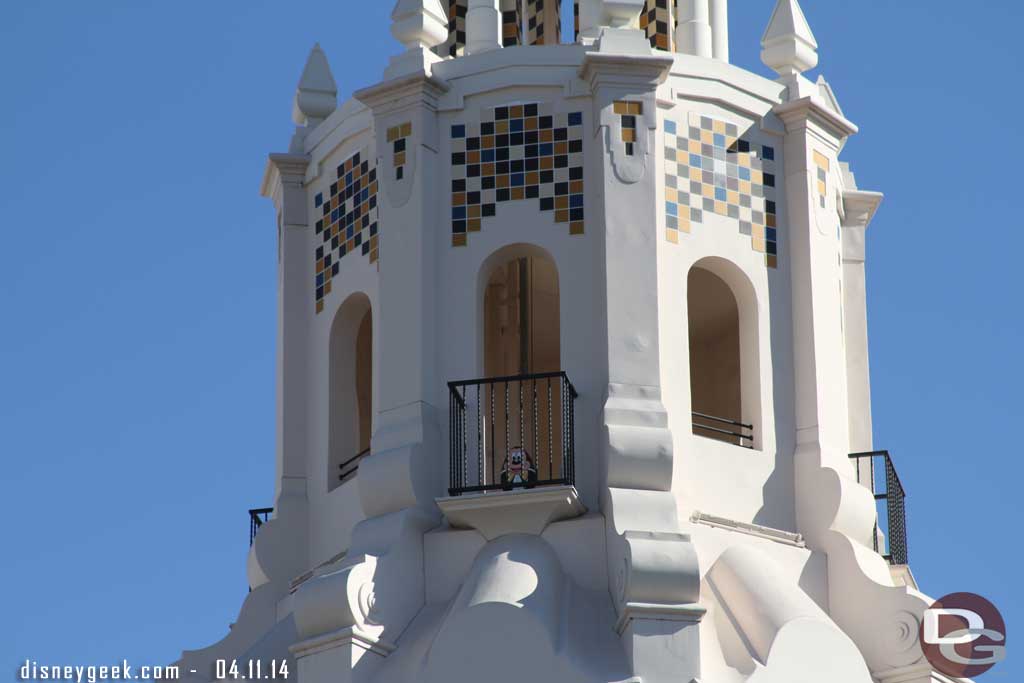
<point x="512" y="512"/>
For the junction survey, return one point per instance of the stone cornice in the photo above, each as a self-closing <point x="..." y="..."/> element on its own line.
<point x="400" y="93"/>
<point x="283" y="167"/>
<point x="600" y="68"/>
<point x="346" y="636"/>
<point x="812" y="108"/>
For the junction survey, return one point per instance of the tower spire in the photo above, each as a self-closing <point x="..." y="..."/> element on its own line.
<point x="788" y="45"/>
<point x="317" y="94"/>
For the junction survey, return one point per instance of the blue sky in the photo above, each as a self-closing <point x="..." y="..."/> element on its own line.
<point x="137" y="290"/>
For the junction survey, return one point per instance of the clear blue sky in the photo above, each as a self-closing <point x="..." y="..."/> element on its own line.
<point x="137" y="293"/>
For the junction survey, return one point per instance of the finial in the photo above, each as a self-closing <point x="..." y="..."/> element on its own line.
<point x="788" y="46"/>
<point x="419" y="24"/>
<point x="317" y="94"/>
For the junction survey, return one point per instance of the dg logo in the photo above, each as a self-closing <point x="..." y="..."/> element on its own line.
<point x="963" y="635"/>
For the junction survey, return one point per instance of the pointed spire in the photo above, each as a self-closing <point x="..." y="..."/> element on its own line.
<point x="317" y="94"/>
<point x="788" y="46"/>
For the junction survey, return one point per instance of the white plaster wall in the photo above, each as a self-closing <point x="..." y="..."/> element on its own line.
<point x="460" y="292"/>
<point x="334" y="513"/>
<point x="711" y="476"/>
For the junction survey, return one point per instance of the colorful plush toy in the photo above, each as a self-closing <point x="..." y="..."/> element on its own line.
<point x="518" y="470"/>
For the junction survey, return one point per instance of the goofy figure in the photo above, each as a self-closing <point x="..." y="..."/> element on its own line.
<point x="518" y="470"/>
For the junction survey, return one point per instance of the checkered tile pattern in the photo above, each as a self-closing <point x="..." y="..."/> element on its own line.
<point x="658" y="22"/>
<point x="511" y="23"/>
<point x="710" y="168"/>
<point x="543" y="22"/>
<point x="629" y="111"/>
<point x="522" y="151"/>
<point x="398" y="139"/>
<point x="456" y="43"/>
<point x="347" y="220"/>
<point x="823" y="166"/>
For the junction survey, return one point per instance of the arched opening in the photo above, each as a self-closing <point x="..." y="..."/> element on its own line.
<point x="724" y="376"/>
<point x="350" y="401"/>
<point x="521" y="317"/>
<point x="512" y="427"/>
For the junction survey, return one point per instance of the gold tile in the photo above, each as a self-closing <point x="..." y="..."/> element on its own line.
<point x="693" y="146"/>
<point x="473" y="157"/>
<point x="459" y="240"/>
<point x="576" y="228"/>
<point x="458" y="198"/>
<point x="516" y="112"/>
<point x="562" y="202"/>
<point x="684" y="223"/>
<point x="721" y="208"/>
<point x="473" y="225"/>
<point x="487" y="141"/>
<point x="744" y="187"/>
<point x="719" y="127"/>
<point x="406" y="129"/>
<point x="707" y="137"/>
<point x="547" y="135"/>
<point x="672" y="236"/>
<point x="771" y="260"/>
<point x="576" y="187"/>
<point x="518" y="193"/>
<point x="708" y="191"/>
<point x="319" y="307"/>
<point x="636" y="108"/>
<point x="628" y="135"/>
<point x="561" y="216"/>
<point x="400" y="158"/>
<point x="770" y="220"/>
<point x="758" y="245"/>
<point x="821" y="160"/>
<point x="561" y="148"/>
<point x="734" y="197"/>
<point x="621" y="108"/>
<point x="530" y="123"/>
<point x="533" y="178"/>
<point x="473" y="211"/>
<point x="501" y="127"/>
<point x="671" y="195"/>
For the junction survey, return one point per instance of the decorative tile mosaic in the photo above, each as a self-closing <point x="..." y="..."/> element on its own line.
<point x="628" y="111"/>
<point x="522" y="151"/>
<point x="456" y="43"/>
<point x="657" y="22"/>
<point x="710" y="168"/>
<point x="576" y="20"/>
<point x="511" y="23"/>
<point x="822" y="163"/>
<point x="543" y="22"/>
<point x="347" y="221"/>
<point x="397" y="138"/>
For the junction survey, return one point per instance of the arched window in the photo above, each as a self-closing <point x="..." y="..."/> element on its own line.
<point x="724" y="374"/>
<point x="512" y="424"/>
<point x="521" y="317"/>
<point x="351" y="389"/>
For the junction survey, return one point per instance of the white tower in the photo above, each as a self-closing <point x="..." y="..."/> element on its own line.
<point x="572" y="360"/>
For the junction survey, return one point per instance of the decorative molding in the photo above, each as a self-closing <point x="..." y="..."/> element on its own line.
<point x="687" y="613"/>
<point x="345" y="636"/>
<point x="508" y="512"/>
<point x="767" y="533"/>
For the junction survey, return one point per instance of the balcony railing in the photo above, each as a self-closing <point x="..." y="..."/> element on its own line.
<point x="350" y="467"/>
<point x="511" y="432"/>
<point x="723" y="429"/>
<point x="870" y="468"/>
<point x="256" y="519"/>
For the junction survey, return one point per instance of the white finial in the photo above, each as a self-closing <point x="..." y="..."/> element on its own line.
<point x="317" y="94"/>
<point x="788" y="46"/>
<point x="419" y="24"/>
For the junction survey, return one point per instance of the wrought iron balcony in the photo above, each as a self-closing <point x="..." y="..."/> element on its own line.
<point x="723" y="429"/>
<point x="257" y="517"/>
<point x="511" y="432"/>
<point x="870" y="468"/>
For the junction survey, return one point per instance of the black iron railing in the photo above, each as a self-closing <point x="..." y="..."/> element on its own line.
<point x="895" y="501"/>
<point x="350" y="467"/>
<point x="256" y="519"/>
<point x="511" y="432"/>
<point x="723" y="429"/>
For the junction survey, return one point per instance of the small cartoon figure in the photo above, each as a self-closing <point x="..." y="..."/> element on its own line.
<point x="518" y="470"/>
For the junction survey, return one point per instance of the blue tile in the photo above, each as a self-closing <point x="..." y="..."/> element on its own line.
<point x="459" y="131"/>
<point x="671" y="209"/>
<point x="670" y="127"/>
